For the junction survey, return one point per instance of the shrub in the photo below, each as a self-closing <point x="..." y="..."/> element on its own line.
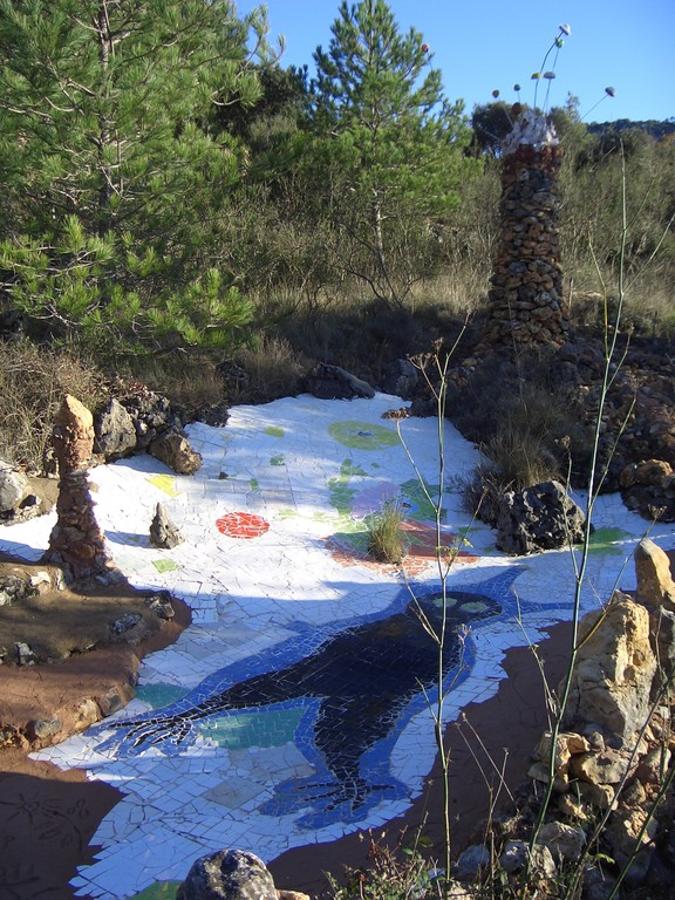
<point x="33" y="381"/>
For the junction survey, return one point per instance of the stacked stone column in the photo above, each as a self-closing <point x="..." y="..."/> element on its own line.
<point x="526" y="294"/>
<point x="76" y="542"/>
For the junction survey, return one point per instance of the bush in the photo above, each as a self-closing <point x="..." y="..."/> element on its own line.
<point x="33" y="381"/>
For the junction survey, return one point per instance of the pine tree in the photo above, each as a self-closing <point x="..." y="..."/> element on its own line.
<point x="112" y="181"/>
<point x="392" y="143"/>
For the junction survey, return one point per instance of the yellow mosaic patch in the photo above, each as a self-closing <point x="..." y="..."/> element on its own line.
<point x="166" y="483"/>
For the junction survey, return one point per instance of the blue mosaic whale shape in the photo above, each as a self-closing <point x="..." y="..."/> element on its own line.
<point x="356" y="691"/>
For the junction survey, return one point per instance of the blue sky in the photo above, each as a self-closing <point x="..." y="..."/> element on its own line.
<point x="480" y="45"/>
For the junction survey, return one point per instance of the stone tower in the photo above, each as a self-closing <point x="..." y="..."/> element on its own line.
<point x="526" y="295"/>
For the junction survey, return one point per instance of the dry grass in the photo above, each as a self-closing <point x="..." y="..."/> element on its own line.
<point x="385" y="538"/>
<point x="273" y="369"/>
<point x="190" y="380"/>
<point x="33" y="381"/>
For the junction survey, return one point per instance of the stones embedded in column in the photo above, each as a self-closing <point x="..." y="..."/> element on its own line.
<point x="76" y="542"/>
<point x="526" y="295"/>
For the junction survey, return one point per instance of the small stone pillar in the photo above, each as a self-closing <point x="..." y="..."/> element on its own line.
<point x="76" y="542"/>
<point x="526" y="295"/>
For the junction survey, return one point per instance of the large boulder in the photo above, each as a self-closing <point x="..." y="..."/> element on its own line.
<point x="541" y="517"/>
<point x="231" y="874"/>
<point x="115" y="430"/>
<point x="655" y="585"/>
<point x="648" y="487"/>
<point x="174" y="449"/>
<point x="333" y="383"/>
<point x="615" y="668"/>
<point x="14" y="488"/>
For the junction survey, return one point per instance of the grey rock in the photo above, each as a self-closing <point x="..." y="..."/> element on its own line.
<point x="231" y="874"/>
<point x="115" y="431"/>
<point x="174" y="450"/>
<point x="163" y="532"/>
<point x="14" y="488"/>
<point x="14" y="589"/>
<point x="43" y="729"/>
<point x="24" y="654"/>
<point x="333" y="383"/>
<point x="541" y="517"/>
<point x="125" y="623"/>
<point x="562" y="840"/>
<point x="400" y="378"/>
<point x="472" y="860"/>
<point x="516" y="854"/>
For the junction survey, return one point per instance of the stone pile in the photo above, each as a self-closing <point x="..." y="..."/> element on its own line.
<point x="76" y="542"/>
<point x="526" y="294"/>
<point x="232" y="875"/>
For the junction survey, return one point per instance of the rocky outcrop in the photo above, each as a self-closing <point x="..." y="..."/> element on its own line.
<point x="174" y="450"/>
<point x="401" y="378"/>
<point x="333" y="383"/>
<point x="655" y="585"/>
<point x="615" y="668"/>
<point x="115" y="431"/>
<point x="14" y="589"/>
<point x="541" y="517"/>
<point x="76" y="542"/>
<point x="649" y="488"/>
<point x="163" y="532"/>
<point x="228" y="874"/>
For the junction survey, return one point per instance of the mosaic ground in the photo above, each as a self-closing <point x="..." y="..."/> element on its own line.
<point x="292" y="710"/>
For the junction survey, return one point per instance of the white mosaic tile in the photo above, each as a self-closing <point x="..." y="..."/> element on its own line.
<point x="250" y="730"/>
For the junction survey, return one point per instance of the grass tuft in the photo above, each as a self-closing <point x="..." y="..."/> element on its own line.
<point x="385" y="536"/>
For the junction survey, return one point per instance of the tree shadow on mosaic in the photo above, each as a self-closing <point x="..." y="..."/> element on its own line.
<point x="344" y="704"/>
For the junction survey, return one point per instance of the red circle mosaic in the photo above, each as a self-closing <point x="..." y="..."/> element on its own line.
<point x="242" y="525"/>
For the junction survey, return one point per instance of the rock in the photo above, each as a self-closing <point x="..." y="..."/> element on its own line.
<point x="615" y="668"/>
<point x="654" y="765"/>
<point x="115" y="431"/>
<point x="600" y="796"/>
<point x="125" y="623"/>
<point x="174" y="450"/>
<point x="14" y="590"/>
<point x="152" y="414"/>
<point x="230" y="874"/>
<point x="562" y="840"/>
<point x="14" y="488"/>
<point x="655" y="585"/>
<point x="400" y="378"/>
<point x="516" y="854"/>
<point x="114" y="700"/>
<point x="333" y="383"/>
<point x="541" y="517"/>
<point x="471" y="861"/>
<point x="597" y="884"/>
<point x="214" y="414"/>
<point x="160" y="605"/>
<point x="41" y="581"/>
<point x="43" y="729"/>
<point x="12" y="325"/>
<point x="623" y="828"/>
<point x="292" y="895"/>
<point x="24" y="654"/>
<point x="163" y="532"/>
<point x="607" y="767"/>
<point x="73" y="436"/>
<point x="86" y="713"/>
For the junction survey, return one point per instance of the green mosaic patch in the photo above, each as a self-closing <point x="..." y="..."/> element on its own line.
<point x="274" y="431"/>
<point x="165" y="565"/>
<point x="608" y="541"/>
<point x="160" y="890"/>
<point x="238" y="732"/>
<point x="159" y="695"/>
<point x="277" y="460"/>
<point x="254" y="485"/>
<point x="363" y="435"/>
<point x="420" y="507"/>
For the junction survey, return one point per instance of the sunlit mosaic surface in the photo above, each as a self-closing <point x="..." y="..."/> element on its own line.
<point x="291" y="711"/>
